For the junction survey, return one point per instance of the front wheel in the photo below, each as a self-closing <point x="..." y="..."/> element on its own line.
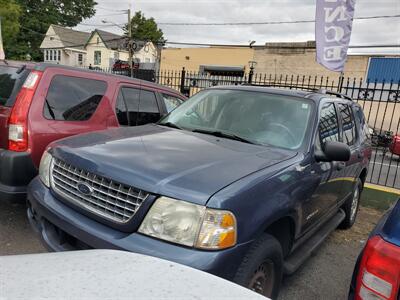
<point x="351" y="206"/>
<point x="262" y="267"/>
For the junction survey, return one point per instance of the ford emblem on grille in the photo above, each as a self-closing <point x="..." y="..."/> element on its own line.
<point x="84" y="188"/>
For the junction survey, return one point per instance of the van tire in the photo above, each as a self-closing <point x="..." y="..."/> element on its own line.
<point x="351" y="206"/>
<point x="263" y="261"/>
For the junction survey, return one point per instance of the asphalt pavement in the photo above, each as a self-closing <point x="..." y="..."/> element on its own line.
<point x="326" y="275"/>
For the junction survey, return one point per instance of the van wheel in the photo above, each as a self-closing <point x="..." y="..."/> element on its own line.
<point x="351" y="206"/>
<point x="262" y="267"/>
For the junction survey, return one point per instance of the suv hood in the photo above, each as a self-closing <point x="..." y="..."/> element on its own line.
<point x="170" y="162"/>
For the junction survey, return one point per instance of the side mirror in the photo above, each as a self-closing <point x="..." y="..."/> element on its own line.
<point x="333" y="151"/>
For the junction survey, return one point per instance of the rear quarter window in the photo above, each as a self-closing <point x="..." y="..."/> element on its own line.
<point x="73" y="98"/>
<point x="171" y="102"/>
<point x="11" y="81"/>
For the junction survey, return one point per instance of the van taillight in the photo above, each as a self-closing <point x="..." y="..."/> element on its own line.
<point x="18" y="121"/>
<point x="379" y="272"/>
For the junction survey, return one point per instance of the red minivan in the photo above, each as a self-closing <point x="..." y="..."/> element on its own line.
<point x="41" y="103"/>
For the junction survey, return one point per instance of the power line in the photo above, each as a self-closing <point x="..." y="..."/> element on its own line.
<point x="109" y="15"/>
<point x="108" y="9"/>
<point x="204" y="44"/>
<point x="255" y="46"/>
<point x="264" y="23"/>
<point x="102" y="25"/>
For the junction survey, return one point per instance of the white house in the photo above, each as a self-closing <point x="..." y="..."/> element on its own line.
<point x="97" y="49"/>
<point x="64" y="46"/>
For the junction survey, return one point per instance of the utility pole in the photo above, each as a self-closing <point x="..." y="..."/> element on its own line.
<point x="130" y="42"/>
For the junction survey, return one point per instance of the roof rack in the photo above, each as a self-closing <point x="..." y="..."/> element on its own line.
<point x="338" y="95"/>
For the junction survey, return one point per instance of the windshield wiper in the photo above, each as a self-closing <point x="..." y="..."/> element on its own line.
<point x="170" y="124"/>
<point x="222" y="134"/>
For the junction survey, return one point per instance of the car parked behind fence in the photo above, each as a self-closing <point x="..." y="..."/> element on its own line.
<point x="40" y="103"/>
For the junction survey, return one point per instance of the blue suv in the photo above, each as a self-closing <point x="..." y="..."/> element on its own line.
<point x="243" y="182"/>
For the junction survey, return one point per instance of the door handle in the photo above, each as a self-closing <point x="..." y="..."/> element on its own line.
<point x="339" y="165"/>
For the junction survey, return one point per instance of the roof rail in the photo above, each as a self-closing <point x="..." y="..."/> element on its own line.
<point x="339" y="95"/>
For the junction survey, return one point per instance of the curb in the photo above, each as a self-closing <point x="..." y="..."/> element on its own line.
<point x="379" y="197"/>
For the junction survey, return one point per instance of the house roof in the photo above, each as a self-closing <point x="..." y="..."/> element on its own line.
<point x="111" y="40"/>
<point x="115" y="41"/>
<point x="70" y="37"/>
<point x="80" y="39"/>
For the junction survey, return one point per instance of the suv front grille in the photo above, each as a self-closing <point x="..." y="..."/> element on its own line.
<point x="102" y="196"/>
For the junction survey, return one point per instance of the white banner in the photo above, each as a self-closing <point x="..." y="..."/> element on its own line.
<point x="333" y="25"/>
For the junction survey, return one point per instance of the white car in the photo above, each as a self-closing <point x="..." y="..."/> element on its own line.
<point x="109" y="274"/>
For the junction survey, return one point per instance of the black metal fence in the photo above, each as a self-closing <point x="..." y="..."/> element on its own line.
<point x="380" y="102"/>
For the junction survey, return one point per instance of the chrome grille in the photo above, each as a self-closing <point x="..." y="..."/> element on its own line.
<point x="107" y="198"/>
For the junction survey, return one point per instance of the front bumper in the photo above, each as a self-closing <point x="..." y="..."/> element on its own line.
<point x="16" y="171"/>
<point x="62" y="228"/>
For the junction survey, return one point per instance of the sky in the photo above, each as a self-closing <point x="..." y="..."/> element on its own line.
<point x="365" y="32"/>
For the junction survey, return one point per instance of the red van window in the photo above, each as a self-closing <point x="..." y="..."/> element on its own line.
<point x="73" y="98"/>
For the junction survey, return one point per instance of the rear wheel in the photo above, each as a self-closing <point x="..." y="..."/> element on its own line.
<point x="262" y="267"/>
<point x="351" y="206"/>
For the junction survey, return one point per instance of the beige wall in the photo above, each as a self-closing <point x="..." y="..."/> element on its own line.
<point x="192" y="58"/>
<point x="382" y="114"/>
<point x="299" y="61"/>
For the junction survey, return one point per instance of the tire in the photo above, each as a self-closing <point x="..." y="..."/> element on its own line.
<point x="262" y="268"/>
<point x="351" y="206"/>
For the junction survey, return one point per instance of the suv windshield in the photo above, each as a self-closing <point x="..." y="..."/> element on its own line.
<point x="11" y="80"/>
<point x="256" y="117"/>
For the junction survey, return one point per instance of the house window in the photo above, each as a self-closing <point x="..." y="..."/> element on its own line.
<point x="97" y="57"/>
<point x="59" y="55"/>
<point x="51" y="55"/>
<point x="80" y="58"/>
<point x="46" y="52"/>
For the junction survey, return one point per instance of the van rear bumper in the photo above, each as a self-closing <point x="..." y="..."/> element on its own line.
<point x="16" y="171"/>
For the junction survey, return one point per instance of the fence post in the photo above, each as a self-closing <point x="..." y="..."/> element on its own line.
<point x="251" y="73"/>
<point x="341" y="79"/>
<point x="252" y="64"/>
<point x="183" y="75"/>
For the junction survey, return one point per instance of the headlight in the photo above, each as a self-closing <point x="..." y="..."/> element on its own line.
<point x="190" y="224"/>
<point x="44" y="168"/>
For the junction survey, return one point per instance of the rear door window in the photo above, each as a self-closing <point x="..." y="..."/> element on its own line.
<point x="136" y="107"/>
<point x="148" y="108"/>
<point x="171" y="102"/>
<point x="127" y="107"/>
<point x="11" y="81"/>
<point x="73" y="98"/>
<point x="348" y="124"/>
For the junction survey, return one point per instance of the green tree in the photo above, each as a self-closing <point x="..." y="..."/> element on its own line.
<point x="36" y="17"/>
<point x="9" y="15"/>
<point x="144" y="29"/>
